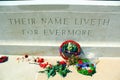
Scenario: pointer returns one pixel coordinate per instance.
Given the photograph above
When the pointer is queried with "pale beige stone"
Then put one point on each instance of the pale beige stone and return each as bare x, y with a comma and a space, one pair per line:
107, 69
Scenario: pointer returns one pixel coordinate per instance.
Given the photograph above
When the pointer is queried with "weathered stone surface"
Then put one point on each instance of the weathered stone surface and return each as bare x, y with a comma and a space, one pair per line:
37, 28
59, 26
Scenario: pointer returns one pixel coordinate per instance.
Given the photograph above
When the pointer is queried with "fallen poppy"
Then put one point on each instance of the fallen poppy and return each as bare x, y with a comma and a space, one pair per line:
3, 59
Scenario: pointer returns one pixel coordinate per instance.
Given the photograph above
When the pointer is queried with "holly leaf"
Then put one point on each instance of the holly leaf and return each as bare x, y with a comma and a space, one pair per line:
51, 72
64, 72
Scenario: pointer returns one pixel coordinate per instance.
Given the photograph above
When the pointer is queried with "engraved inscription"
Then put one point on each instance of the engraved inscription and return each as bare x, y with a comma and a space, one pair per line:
84, 21
73, 25
68, 32
23, 21
30, 32
64, 21
59, 21
58, 32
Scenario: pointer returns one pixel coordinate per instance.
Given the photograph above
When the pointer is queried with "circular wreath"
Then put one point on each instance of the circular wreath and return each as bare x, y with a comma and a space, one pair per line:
69, 48
85, 67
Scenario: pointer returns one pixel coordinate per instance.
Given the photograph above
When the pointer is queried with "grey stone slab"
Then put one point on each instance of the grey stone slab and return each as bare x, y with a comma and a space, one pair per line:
54, 50
59, 26
34, 28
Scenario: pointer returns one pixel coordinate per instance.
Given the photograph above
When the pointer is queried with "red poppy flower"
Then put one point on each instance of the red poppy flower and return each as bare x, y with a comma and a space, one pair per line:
90, 71
40, 60
43, 65
80, 62
3, 59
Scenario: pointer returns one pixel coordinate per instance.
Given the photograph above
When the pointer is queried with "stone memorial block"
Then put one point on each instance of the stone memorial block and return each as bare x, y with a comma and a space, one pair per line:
40, 29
